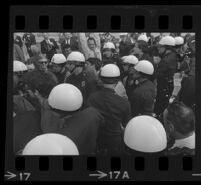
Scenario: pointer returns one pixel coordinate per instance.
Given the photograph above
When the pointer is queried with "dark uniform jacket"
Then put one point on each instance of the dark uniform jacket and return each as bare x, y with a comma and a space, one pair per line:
81, 127
143, 98
26, 127
116, 112
167, 66
80, 82
48, 49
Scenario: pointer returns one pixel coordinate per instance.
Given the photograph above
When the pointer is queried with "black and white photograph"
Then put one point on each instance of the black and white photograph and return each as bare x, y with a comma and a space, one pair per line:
104, 93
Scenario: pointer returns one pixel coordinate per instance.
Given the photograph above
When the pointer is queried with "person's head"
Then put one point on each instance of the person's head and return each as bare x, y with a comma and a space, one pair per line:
67, 35
93, 64
91, 43
140, 48
143, 69
166, 43
178, 119
110, 75
46, 36
129, 62
75, 62
41, 63
145, 134
108, 49
67, 50
58, 61
38, 82
50, 144
65, 98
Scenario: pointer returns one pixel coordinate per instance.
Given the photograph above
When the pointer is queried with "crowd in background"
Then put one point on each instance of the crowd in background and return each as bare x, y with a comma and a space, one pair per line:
105, 94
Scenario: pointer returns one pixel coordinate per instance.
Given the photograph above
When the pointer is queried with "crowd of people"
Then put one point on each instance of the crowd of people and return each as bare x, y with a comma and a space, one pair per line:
94, 93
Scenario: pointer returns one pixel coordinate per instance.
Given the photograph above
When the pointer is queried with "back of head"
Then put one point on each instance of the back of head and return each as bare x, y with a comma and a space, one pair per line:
95, 61
182, 117
39, 80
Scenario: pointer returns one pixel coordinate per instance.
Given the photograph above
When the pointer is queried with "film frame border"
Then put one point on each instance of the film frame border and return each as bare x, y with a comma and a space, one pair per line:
151, 16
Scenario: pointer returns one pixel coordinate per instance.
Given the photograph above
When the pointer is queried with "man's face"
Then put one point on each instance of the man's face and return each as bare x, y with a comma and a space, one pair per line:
89, 67
67, 51
91, 44
43, 65
125, 67
107, 53
46, 36
70, 66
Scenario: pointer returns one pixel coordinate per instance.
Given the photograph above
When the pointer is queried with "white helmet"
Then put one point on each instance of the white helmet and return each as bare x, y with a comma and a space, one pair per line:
167, 40
58, 59
179, 40
76, 56
144, 66
19, 66
110, 70
145, 134
108, 45
130, 59
155, 34
143, 37
50, 144
65, 97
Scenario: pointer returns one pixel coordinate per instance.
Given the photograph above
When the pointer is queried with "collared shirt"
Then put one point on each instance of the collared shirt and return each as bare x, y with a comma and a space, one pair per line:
188, 142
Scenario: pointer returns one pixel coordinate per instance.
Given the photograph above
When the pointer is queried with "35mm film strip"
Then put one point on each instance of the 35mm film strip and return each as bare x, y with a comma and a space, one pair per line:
113, 19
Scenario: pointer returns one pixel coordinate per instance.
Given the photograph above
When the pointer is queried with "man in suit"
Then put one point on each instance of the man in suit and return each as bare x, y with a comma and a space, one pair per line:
69, 42
48, 46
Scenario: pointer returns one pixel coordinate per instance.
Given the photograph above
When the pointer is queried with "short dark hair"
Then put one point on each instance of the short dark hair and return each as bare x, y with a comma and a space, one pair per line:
91, 38
182, 117
95, 61
41, 81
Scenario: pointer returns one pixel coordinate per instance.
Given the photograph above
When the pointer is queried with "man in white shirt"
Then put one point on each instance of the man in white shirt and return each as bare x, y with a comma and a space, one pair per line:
90, 46
179, 122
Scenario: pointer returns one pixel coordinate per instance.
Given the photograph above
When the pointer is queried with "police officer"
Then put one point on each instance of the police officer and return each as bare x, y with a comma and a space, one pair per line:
29, 40
165, 72
64, 116
76, 75
145, 134
143, 96
128, 63
50, 144
109, 54
57, 66
115, 110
